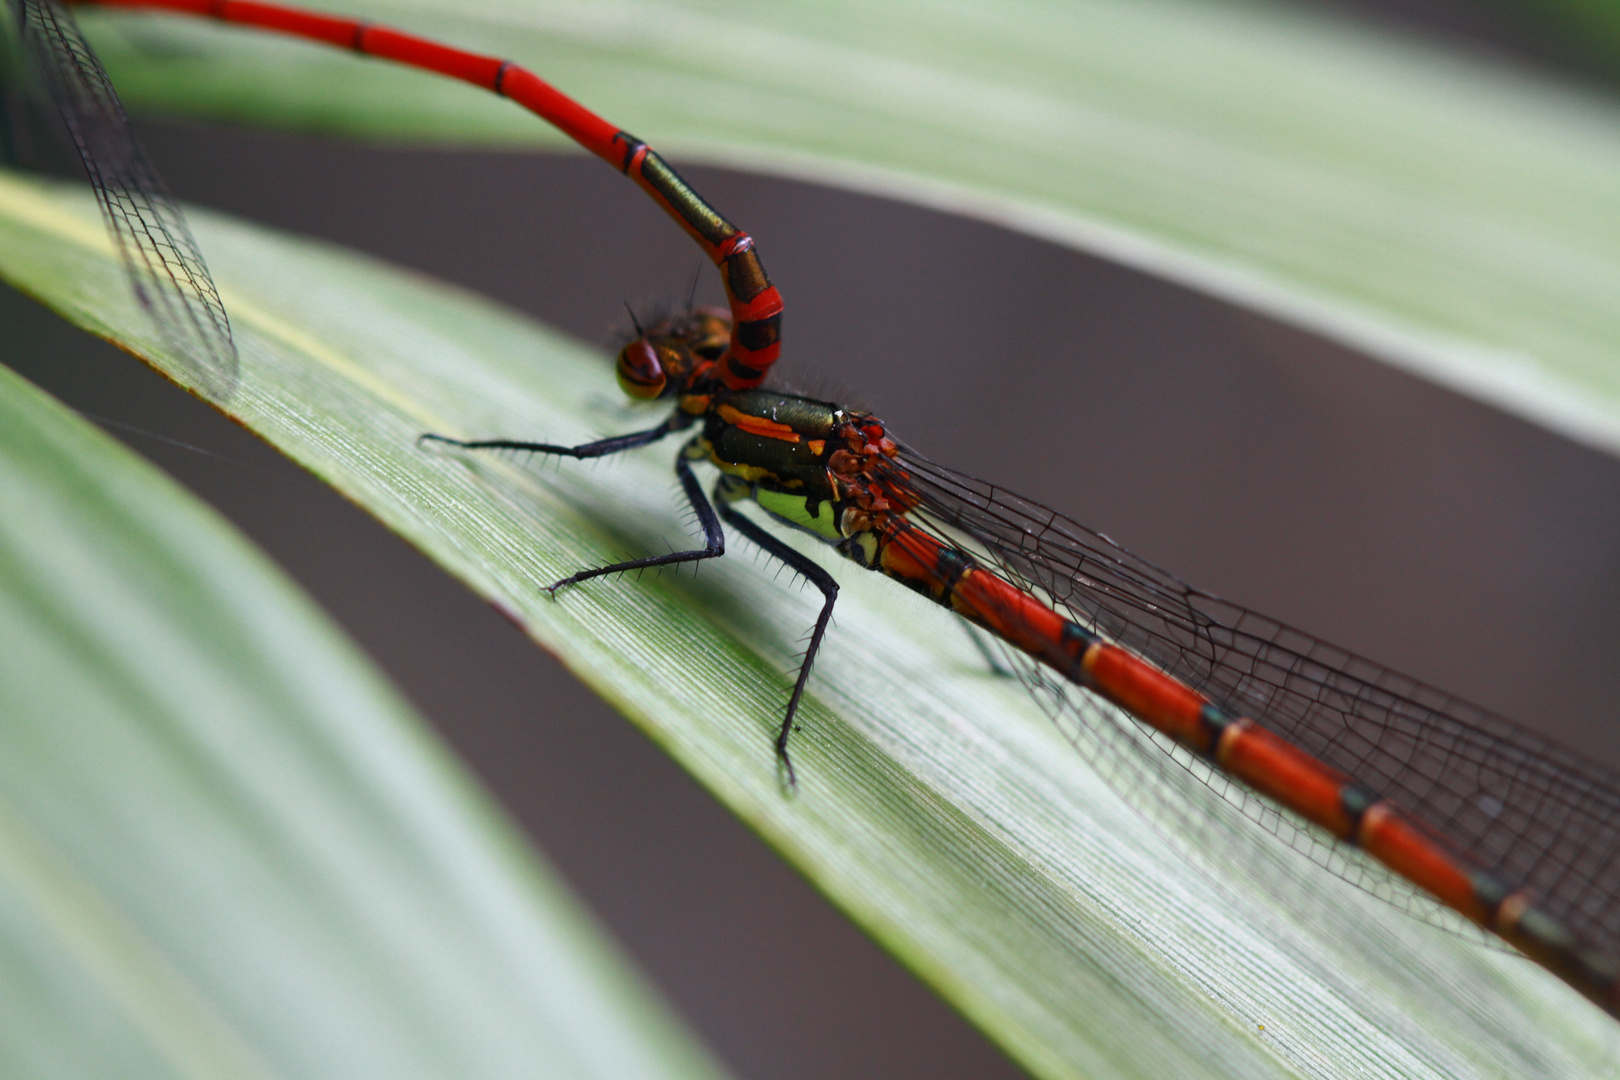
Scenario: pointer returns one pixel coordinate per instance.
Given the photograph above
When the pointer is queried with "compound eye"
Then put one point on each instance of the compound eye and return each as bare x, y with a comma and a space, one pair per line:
641, 372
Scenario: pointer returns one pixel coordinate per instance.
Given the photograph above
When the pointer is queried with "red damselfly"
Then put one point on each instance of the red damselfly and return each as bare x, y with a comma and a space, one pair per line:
1512, 831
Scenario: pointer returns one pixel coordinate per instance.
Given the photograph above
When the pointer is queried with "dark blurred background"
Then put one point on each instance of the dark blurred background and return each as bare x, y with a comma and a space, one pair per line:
1575, 37
1460, 544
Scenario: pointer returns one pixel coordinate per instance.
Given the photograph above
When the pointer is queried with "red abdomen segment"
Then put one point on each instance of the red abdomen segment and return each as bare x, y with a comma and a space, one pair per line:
756, 307
1263, 761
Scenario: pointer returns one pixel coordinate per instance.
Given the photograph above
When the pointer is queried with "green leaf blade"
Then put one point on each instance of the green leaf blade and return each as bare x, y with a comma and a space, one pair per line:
226, 848
938, 805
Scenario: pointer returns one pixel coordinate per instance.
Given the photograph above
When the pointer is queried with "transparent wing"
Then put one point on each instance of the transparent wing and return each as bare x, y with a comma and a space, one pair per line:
1507, 800
165, 267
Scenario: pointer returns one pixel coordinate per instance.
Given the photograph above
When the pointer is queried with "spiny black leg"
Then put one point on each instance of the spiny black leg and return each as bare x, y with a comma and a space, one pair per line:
600, 448
714, 541
812, 572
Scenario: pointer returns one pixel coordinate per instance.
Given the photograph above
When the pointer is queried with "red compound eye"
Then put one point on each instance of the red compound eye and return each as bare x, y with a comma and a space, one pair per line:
641, 372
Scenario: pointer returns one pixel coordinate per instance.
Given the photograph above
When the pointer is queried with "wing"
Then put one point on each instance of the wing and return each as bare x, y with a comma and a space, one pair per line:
165, 267
1509, 801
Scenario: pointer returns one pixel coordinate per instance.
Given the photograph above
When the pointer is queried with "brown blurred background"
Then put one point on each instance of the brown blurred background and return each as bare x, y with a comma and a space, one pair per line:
1462, 545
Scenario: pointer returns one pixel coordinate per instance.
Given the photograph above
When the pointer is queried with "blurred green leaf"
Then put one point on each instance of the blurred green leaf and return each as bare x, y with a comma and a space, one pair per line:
938, 805
1433, 211
227, 849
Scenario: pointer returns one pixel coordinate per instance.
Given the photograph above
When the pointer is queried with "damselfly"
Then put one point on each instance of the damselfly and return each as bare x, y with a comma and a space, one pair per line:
1514, 832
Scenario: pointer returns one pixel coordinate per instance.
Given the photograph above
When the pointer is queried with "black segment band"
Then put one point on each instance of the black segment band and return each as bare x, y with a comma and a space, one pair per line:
632, 147
1490, 891
743, 372
757, 334
1214, 720
1355, 800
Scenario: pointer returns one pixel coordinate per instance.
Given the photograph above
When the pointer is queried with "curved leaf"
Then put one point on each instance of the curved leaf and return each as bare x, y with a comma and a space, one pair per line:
1446, 215
937, 805
226, 848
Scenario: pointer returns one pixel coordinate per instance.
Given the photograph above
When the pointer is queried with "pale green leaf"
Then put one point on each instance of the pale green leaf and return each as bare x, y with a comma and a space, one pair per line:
226, 848
1428, 210
938, 805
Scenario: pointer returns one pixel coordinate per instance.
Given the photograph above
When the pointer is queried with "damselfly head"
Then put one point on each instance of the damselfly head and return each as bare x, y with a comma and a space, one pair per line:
642, 371
668, 357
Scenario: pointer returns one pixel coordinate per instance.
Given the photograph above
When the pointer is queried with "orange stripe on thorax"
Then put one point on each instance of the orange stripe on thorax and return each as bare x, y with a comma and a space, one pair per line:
757, 425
